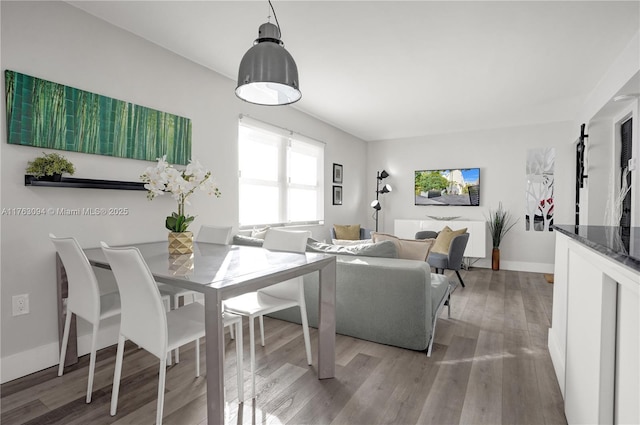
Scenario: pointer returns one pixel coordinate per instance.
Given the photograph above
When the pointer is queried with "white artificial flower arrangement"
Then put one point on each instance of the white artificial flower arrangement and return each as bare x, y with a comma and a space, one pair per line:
181, 184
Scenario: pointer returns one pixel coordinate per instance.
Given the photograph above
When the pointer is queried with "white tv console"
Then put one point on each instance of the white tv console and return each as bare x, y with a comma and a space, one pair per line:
477, 229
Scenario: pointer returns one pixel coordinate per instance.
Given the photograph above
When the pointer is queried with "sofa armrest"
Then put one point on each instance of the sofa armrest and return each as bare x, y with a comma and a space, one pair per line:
384, 300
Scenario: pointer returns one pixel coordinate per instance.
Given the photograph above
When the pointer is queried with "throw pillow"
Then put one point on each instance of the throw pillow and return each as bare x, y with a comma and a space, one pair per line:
347, 231
259, 233
444, 239
385, 249
409, 249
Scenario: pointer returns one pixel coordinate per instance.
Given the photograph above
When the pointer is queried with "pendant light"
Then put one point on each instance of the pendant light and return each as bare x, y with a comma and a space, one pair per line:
268, 75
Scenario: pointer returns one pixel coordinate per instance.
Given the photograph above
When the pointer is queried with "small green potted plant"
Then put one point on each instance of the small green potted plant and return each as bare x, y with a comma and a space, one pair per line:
50, 167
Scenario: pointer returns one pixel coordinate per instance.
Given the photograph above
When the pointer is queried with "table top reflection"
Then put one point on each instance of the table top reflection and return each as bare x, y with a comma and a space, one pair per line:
213, 266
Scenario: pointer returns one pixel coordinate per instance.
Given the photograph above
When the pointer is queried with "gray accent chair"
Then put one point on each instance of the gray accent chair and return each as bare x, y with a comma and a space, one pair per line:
364, 233
450, 261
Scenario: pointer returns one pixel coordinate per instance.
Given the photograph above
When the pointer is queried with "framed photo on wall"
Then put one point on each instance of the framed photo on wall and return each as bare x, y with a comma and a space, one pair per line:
337, 195
337, 174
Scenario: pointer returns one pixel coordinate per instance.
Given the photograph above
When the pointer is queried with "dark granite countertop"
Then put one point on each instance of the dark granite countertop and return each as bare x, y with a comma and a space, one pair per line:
620, 244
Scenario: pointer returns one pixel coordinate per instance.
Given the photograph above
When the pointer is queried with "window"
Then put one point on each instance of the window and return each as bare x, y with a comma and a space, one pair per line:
281, 176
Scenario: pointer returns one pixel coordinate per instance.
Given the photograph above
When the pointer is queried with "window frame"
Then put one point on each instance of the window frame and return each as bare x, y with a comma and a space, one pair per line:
289, 142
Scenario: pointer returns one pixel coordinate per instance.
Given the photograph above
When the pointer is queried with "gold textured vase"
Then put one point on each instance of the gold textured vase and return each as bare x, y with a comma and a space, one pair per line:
180, 243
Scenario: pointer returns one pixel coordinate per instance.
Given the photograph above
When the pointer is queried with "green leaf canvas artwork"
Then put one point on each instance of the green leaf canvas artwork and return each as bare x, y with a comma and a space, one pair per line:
45, 114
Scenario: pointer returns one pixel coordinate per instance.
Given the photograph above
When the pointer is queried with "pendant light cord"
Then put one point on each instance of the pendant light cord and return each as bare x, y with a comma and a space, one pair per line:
276, 18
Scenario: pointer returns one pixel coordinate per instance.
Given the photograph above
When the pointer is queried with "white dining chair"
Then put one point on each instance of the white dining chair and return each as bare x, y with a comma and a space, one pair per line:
209, 234
175, 293
214, 234
274, 298
145, 321
84, 299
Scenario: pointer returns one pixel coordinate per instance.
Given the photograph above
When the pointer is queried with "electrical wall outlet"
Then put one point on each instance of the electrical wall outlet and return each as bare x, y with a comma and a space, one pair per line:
20, 304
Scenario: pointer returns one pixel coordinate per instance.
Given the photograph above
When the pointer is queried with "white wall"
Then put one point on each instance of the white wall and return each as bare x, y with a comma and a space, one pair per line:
501, 156
57, 42
619, 73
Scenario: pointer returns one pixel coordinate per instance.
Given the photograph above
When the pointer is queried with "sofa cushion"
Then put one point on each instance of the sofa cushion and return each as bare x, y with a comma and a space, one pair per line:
384, 249
247, 240
408, 249
347, 231
347, 242
444, 239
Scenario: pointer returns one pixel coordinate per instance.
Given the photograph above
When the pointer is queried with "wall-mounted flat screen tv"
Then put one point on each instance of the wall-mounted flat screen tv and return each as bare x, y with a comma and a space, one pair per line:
454, 186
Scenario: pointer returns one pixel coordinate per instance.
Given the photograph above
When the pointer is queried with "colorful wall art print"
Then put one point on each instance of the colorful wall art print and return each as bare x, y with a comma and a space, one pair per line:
539, 191
44, 114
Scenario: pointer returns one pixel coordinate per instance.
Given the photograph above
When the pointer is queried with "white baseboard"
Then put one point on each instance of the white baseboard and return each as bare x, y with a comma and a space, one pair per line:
21, 364
557, 358
24, 363
520, 266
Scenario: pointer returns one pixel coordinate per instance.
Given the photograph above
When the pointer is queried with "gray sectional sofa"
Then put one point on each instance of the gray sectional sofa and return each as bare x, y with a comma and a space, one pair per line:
385, 300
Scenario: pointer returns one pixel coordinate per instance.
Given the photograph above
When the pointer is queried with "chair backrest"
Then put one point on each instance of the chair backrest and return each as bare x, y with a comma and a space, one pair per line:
426, 234
143, 318
292, 241
84, 292
214, 234
456, 250
286, 240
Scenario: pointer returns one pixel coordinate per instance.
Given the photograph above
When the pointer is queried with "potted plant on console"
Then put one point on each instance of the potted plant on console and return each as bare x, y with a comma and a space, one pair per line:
181, 184
500, 222
50, 167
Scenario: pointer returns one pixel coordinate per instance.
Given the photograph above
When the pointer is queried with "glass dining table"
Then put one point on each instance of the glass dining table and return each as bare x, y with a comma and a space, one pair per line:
224, 271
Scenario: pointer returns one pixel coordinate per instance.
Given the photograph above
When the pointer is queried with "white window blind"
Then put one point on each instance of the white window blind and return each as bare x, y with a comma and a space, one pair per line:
281, 175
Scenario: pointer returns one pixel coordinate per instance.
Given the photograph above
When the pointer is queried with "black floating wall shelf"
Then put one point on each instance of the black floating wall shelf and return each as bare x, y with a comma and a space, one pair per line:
84, 183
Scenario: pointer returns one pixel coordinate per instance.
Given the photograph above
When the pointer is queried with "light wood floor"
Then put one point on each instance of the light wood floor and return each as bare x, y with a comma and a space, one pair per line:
490, 365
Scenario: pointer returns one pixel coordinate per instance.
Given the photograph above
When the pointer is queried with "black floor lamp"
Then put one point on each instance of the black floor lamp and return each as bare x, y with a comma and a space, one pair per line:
385, 189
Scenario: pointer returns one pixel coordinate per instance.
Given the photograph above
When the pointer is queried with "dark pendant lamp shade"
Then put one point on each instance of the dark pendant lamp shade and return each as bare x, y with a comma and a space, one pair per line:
268, 75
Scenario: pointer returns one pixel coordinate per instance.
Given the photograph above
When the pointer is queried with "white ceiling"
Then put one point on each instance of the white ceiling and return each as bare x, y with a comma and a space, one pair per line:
395, 69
